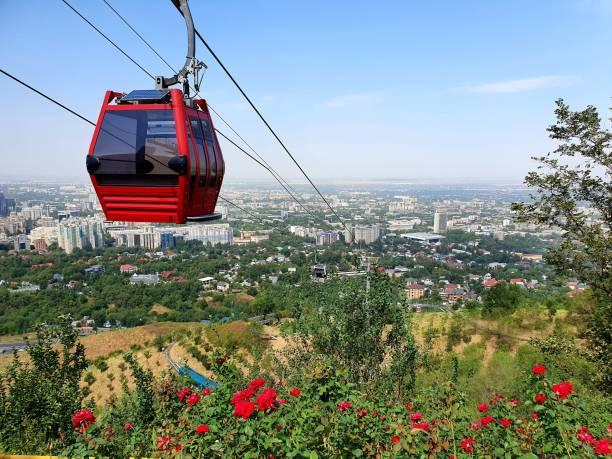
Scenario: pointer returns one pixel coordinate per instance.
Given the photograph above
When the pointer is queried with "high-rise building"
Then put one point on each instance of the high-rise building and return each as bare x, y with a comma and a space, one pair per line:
363, 233
32, 213
326, 237
407, 204
78, 233
151, 237
215, 234
21, 242
48, 234
6, 205
3, 206
167, 240
440, 221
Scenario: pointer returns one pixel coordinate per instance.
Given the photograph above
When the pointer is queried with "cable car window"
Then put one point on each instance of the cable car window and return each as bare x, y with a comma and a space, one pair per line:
208, 139
199, 136
134, 148
220, 158
193, 167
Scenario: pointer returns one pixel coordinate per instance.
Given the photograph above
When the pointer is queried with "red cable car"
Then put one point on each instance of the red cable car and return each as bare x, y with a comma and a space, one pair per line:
154, 155
154, 159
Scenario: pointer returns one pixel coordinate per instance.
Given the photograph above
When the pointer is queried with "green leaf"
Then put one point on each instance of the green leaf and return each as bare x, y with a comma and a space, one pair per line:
357, 452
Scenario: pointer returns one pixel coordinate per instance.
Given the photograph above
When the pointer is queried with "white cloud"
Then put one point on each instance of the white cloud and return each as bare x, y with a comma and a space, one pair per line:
353, 100
522, 84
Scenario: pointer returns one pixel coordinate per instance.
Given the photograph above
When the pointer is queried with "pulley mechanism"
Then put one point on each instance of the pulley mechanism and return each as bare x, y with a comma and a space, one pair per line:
192, 65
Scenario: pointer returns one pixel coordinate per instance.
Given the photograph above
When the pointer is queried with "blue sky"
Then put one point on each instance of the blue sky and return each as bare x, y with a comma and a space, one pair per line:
440, 90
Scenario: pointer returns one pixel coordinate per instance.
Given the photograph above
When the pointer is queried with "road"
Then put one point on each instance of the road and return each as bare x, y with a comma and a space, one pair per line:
7, 348
169, 358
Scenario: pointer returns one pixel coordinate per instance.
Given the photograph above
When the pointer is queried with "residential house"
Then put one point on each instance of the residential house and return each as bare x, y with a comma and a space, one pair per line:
128, 269
144, 279
415, 291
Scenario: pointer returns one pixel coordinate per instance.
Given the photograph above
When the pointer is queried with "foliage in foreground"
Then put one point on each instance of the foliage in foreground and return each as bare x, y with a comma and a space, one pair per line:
38, 399
316, 412
575, 177
334, 419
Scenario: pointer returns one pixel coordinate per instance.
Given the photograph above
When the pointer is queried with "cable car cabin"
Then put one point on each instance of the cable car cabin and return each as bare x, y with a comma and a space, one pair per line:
154, 159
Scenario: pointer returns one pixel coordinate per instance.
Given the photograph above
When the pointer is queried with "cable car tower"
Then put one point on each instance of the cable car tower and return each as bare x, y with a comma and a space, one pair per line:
154, 155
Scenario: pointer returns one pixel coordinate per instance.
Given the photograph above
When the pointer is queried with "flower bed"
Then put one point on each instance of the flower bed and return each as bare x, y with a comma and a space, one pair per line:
275, 421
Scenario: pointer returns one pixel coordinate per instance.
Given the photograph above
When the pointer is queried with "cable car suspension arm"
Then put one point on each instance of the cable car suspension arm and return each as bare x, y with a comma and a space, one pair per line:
192, 65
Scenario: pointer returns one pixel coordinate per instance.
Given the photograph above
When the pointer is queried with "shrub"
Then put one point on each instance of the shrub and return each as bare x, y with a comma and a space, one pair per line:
100, 364
329, 417
38, 398
235, 335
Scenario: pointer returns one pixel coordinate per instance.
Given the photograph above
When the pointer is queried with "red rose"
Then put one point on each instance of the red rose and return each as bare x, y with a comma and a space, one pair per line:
483, 407
535, 416
505, 423
563, 389
408, 406
244, 409
362, 412
183, 394
343, 406
128, 426
421, 426
178, 447
486, 421
206, 391
416, 416
242, 396
475, 425
202, 429
193, 399
257, 383
295, 392
395, 439
540, 398
538, 370
514, 402
282, 401
83, 419
602, 446
163, 443
584, 435
266, 399
375, 413
467, 445
279, 428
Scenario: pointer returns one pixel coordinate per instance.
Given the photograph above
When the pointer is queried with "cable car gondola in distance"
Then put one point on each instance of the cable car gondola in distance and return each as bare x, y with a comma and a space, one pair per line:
154, 155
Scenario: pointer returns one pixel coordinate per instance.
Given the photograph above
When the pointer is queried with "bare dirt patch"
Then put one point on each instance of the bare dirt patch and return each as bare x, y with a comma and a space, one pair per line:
160, 309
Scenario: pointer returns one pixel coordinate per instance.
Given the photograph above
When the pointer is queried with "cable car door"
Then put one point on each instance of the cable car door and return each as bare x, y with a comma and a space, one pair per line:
199, 188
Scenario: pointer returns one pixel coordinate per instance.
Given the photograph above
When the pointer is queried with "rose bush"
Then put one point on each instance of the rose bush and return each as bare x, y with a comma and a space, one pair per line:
267, 418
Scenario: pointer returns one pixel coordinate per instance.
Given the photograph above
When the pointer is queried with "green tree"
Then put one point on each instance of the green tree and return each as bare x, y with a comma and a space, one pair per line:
361, 328
38, 398
502, 297
566, 190
570, 182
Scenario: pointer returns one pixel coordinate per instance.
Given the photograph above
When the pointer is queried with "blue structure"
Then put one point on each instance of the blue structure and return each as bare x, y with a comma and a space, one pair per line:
198, 379
167, 240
